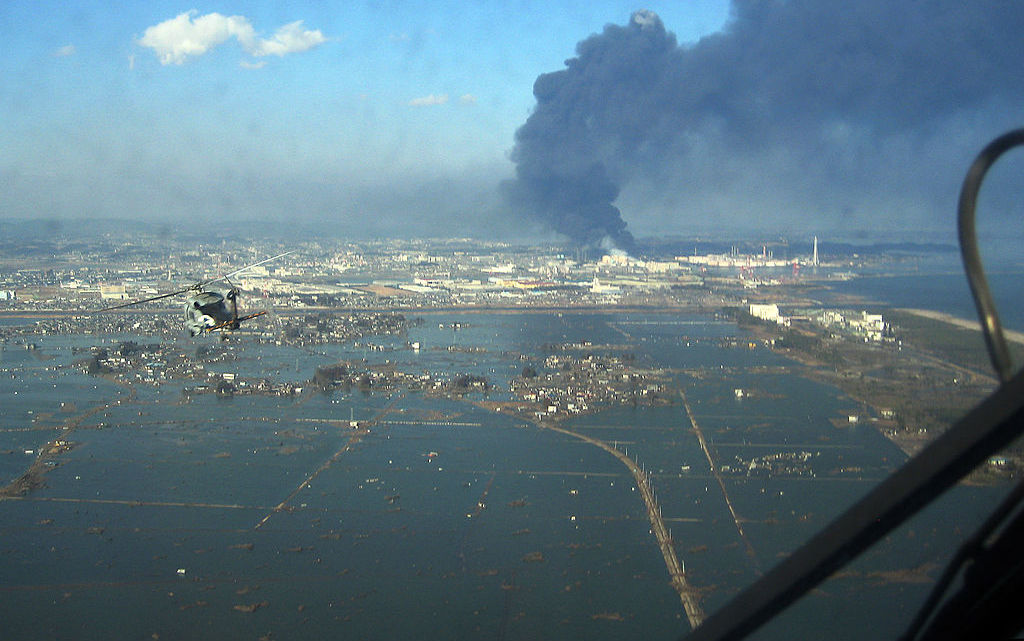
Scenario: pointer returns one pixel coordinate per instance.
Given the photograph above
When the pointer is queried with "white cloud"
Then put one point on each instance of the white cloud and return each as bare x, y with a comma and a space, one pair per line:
176, 39
65, 51
291, 38
467, 99
427, 101
259, 64
646, 18
188, 35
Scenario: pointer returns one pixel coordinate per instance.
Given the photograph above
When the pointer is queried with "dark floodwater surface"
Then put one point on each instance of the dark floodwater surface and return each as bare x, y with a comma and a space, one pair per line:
163, 521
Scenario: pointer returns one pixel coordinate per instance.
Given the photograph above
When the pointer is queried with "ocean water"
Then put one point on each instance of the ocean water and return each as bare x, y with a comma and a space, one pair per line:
255, 517
943, 290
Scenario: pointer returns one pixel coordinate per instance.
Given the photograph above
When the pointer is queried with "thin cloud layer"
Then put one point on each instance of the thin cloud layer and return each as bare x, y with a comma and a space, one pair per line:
188, 36
427, 101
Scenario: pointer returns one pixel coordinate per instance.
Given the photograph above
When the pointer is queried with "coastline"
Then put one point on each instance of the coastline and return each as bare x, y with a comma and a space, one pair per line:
963, 323
911, 383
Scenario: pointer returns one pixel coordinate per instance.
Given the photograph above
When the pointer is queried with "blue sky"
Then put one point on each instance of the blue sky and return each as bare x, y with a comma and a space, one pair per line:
397, 117
387, 96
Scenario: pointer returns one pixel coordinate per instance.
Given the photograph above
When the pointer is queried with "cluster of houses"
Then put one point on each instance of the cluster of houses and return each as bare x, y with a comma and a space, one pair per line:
576, 384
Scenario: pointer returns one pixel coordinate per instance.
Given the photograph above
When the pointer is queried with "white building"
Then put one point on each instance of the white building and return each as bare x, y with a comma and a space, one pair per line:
768, 312
113, 292
871, 325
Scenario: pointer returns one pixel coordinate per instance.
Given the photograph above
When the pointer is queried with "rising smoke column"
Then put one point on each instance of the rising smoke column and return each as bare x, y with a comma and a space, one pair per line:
797, 108
562, 152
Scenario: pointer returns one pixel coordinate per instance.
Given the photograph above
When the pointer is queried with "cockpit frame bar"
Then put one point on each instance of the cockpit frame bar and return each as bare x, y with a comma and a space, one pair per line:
986, 429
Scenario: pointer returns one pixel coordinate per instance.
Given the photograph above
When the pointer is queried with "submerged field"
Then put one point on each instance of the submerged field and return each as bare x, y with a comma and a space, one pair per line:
271, 517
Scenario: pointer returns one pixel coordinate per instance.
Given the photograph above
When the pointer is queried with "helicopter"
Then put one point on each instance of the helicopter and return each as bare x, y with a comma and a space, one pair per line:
209, 309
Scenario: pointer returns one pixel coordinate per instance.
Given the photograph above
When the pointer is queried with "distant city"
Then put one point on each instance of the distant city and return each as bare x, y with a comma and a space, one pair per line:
538, 397
87, 276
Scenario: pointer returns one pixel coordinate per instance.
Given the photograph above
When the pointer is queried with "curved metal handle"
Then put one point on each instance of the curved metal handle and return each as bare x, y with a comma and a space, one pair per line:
990, 325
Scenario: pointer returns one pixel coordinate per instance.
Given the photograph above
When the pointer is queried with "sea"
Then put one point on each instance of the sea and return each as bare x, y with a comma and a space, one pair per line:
934, 282
254, 517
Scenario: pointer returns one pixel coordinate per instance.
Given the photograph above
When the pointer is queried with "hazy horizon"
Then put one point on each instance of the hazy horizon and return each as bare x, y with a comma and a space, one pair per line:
714, 117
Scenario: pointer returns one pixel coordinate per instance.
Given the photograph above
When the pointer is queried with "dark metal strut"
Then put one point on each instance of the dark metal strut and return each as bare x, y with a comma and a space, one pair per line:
985, 430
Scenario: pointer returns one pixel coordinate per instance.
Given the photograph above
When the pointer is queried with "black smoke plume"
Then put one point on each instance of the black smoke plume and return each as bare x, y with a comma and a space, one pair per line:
797, 108
561, 153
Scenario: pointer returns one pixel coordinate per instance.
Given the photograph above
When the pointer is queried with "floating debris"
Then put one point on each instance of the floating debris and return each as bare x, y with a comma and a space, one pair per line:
196, 604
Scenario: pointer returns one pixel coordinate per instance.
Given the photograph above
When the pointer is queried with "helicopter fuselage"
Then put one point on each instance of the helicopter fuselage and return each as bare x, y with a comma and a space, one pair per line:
206, 311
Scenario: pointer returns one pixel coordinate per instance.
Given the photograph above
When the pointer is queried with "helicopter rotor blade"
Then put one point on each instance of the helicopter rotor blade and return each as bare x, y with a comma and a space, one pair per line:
146, 300
197, 286
265, 260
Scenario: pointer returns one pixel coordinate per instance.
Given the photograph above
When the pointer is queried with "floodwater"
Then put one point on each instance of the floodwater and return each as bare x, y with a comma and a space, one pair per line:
259, 517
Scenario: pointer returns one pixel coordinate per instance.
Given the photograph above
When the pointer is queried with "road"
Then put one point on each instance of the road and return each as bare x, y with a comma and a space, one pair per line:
689, 595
